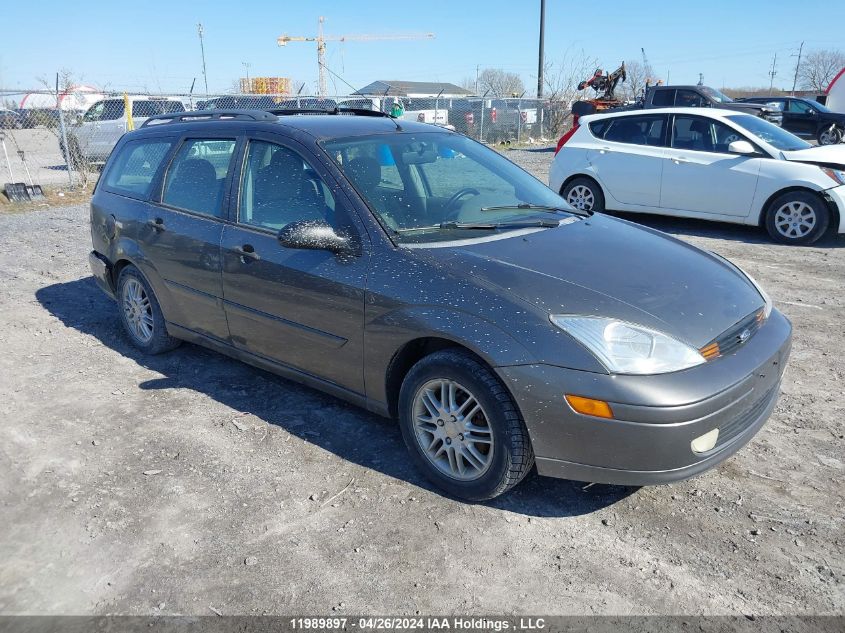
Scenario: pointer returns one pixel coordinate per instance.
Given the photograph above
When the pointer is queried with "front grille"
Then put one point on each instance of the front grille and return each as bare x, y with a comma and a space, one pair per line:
734, 337
735, 427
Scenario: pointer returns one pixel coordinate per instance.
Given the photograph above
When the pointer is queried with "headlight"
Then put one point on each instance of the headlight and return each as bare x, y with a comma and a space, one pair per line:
626, 348
837, 175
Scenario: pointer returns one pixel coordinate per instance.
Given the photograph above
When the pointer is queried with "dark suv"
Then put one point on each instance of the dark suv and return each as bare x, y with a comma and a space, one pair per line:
807, 118
419, 274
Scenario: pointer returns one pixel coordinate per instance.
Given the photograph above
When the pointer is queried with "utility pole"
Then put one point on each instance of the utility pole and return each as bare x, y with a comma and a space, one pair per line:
797, 67
700, 79
540, 63
246, 65
202, 49
772, 73
477, 67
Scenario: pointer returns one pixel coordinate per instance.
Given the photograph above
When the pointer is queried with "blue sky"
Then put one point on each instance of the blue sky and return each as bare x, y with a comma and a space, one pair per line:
154, 46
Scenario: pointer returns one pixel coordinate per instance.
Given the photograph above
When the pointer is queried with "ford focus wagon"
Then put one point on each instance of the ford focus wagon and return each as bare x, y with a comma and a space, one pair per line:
416, 273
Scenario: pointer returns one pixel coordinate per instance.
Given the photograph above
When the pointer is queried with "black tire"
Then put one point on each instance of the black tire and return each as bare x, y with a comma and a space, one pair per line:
594, 204
827, 136
512, 455
778, 210
160, 341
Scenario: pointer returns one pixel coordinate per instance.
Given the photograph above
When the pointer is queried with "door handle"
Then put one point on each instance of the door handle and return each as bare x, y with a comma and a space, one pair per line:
605, 150
678, 160
247, 253
157, 224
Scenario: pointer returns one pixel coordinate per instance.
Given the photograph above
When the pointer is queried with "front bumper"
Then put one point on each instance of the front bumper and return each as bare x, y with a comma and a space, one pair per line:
837, 196
657, 417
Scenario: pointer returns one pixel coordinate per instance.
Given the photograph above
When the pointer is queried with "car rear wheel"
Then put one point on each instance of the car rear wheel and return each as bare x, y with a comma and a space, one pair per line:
141, 315
584, 194
462, 427
797, 217
830, 136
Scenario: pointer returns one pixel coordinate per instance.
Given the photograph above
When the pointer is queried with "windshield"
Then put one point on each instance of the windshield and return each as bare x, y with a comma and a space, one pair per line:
716, 95
438, 186
772, 134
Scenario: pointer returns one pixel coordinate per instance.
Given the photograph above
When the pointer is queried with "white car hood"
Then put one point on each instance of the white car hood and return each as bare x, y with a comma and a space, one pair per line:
826, 154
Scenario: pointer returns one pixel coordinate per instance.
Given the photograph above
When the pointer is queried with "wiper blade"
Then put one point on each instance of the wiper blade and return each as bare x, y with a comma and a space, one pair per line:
525, 206
492, 226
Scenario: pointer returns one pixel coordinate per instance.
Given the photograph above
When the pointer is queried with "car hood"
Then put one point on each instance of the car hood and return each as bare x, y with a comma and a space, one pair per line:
602, 266
831, 155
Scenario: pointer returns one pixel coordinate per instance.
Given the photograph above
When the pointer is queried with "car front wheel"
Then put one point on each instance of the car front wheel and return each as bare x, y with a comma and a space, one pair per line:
797, 217
583, 194
141, 315
830, 136
462, 427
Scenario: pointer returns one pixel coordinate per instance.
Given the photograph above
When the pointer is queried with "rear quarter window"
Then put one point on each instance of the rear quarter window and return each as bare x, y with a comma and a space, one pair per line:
135, 166
598, 128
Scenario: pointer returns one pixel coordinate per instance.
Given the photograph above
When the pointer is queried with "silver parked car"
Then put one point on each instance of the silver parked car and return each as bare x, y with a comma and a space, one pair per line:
105, 122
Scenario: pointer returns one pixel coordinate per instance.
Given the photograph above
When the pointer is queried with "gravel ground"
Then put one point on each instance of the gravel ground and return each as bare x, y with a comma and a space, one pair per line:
190, 483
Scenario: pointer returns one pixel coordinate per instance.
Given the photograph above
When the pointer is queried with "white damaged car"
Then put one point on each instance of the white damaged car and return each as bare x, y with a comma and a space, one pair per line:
703, 163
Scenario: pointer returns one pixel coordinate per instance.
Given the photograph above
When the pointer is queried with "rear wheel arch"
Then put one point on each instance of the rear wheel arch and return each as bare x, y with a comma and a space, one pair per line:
575, 177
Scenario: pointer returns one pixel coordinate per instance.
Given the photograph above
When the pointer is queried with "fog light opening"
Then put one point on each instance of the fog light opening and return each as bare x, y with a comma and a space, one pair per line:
589, 406
706, 442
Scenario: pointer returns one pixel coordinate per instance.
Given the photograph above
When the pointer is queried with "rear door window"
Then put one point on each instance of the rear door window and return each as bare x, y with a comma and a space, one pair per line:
663, 98
134, 168
148, 108
197, 176
637, 130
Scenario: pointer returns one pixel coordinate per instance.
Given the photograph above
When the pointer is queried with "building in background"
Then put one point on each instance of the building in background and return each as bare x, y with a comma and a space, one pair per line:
413, 89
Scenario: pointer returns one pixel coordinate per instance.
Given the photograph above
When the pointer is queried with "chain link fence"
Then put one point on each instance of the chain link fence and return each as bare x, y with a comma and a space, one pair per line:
62, 139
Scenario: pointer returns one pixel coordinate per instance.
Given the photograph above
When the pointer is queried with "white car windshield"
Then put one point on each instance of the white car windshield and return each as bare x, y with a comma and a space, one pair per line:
775, 136
440, 186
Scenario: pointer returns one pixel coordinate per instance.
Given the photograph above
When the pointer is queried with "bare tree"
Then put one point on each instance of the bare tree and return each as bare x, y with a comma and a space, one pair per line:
819, 67
561, 79
635, 80
500, 83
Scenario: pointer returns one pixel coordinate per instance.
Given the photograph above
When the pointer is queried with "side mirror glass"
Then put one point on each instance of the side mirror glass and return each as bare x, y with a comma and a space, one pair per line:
315, 235
741, 147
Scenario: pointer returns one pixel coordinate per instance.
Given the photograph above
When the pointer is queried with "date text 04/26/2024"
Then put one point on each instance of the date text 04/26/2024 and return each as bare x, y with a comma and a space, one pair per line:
438, 623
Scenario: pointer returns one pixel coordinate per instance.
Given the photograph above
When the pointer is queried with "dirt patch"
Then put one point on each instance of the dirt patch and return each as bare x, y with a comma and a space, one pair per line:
189, 482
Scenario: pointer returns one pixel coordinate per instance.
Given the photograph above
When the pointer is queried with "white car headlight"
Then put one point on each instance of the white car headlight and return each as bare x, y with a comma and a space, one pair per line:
837, 175
626, 348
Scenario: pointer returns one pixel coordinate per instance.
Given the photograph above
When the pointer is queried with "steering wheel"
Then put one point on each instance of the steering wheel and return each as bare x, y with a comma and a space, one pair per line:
452, 202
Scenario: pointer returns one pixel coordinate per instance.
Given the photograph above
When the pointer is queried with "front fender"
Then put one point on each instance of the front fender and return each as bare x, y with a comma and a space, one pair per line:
388, 333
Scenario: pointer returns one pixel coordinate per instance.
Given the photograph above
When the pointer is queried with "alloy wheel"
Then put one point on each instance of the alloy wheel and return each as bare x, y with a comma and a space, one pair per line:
452, 429
795, 219
137, 310
828, 137
581, 197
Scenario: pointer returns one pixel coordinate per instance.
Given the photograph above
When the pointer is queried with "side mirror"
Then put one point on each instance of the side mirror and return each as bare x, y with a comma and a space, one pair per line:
315, 235
741, 147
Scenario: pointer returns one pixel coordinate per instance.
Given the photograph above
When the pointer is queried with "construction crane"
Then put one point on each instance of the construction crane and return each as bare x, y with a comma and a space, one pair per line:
321, 46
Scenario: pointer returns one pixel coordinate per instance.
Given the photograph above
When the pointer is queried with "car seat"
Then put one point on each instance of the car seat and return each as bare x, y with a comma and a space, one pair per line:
283, 194
194, 186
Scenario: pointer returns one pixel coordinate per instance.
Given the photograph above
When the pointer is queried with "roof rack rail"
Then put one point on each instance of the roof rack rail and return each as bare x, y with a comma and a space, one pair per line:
210, 115
335, 110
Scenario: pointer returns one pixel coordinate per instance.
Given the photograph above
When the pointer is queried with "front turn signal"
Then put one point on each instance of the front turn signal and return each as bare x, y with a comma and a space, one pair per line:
589, 406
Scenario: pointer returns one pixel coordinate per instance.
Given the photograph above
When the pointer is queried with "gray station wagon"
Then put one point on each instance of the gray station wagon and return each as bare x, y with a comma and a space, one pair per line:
419, 274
